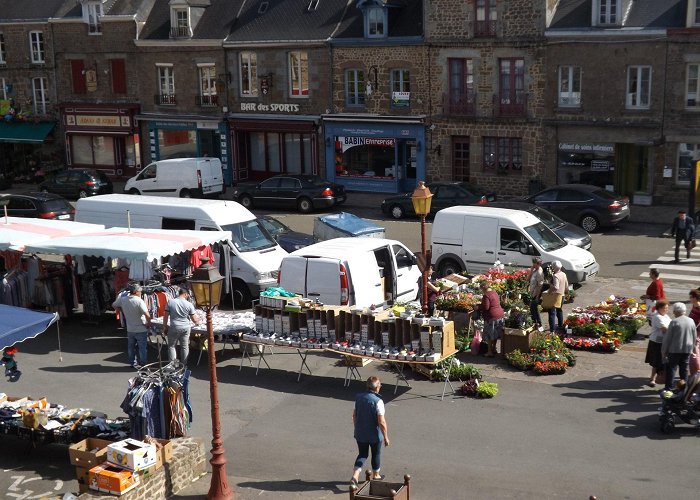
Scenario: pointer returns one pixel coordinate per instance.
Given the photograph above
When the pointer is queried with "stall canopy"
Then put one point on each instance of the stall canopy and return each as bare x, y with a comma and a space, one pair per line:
18, 324
17, 232
134, 244
25, 132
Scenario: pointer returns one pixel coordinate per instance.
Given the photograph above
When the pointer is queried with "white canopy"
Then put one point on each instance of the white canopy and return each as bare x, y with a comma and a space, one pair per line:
118, 242
17, 232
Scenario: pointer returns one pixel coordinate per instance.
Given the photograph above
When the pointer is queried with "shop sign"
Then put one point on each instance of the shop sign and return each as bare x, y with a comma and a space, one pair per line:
587, 147
174, 125
600, 165
96, 121
349, 142
282, 108
91, 80
400, 99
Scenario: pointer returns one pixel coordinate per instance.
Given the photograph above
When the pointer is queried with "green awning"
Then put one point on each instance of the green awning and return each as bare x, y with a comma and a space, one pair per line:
25, 132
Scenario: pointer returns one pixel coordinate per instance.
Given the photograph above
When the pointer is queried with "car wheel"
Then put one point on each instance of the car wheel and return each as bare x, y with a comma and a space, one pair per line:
246, 201
185, 194
134, 191
304, 205
397, 212
242, 299
449, 266
589, 223
82, 194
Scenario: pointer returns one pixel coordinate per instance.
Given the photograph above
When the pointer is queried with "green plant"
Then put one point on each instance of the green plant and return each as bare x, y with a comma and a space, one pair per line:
458, 371
518, 317
520, 360
463, 340
487, 390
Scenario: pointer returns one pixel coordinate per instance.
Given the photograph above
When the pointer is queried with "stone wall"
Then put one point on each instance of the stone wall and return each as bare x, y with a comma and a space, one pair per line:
187, 465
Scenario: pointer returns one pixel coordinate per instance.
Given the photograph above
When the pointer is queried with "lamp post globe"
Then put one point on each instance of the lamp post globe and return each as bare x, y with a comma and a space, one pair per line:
421, 199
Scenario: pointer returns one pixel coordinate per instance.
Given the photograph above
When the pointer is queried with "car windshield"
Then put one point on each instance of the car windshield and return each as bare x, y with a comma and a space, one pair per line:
549, 219
57, 205
273, 226
544, 237
249, 236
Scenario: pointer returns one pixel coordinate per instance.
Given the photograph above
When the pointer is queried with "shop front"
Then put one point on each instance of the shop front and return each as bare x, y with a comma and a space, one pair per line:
172, 137
269, 144
103, 137
375, 154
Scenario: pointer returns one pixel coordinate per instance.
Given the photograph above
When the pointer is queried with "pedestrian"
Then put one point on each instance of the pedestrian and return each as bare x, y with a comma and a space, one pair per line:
694, 314
433, 290
370, 429
683, 229
677, 344
135, 313
10, 363
558, 285
659, 326
655, 291
535, 278
176, 325
492, 314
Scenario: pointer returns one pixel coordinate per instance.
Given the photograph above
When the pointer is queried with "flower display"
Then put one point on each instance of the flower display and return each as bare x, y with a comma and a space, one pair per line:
548, 356
550, 367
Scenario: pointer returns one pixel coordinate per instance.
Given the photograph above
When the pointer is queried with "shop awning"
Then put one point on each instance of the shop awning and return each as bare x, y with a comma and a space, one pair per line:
16, 232
18, 324
25, 132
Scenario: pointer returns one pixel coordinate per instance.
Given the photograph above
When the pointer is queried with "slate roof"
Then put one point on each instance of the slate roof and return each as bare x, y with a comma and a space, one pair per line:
214, 24
20, 10
576, 14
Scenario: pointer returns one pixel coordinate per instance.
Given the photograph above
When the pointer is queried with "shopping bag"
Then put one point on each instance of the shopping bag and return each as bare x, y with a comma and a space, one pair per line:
690, 245
476, 341
551, 301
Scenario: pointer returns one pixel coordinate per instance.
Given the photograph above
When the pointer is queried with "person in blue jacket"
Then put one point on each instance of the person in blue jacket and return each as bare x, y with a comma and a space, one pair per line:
370, 429
683, 229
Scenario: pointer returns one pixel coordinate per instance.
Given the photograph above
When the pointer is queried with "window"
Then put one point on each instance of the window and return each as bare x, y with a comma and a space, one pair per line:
249, 74
118, 71
512, 98
400, 88
180, 23
354, 87
3, 89
460, 100
77, 71
36, 46
696, 13
570, 86
638, 87
512, 239
460, 159
375, 22
503, 154
298, 73
692, 94
207, 85
608, 12
40, 91
92, 150
166, 85
93, 12
486, 17
688, 154
2, 49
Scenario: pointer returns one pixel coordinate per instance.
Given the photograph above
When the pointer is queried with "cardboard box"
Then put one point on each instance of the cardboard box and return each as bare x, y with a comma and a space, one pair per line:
132, 454
165, 452
110, 478
88, 452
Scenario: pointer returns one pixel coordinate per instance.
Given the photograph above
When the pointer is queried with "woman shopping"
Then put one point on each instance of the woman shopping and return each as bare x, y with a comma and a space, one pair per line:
659, 325
535, 278
655, 291
492, 313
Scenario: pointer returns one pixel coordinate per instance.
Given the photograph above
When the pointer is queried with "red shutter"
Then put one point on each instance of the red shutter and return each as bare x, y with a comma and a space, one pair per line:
77, 67
118, 76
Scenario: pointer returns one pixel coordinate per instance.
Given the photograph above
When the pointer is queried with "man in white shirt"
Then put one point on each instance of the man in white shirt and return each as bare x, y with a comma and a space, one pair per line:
138, 321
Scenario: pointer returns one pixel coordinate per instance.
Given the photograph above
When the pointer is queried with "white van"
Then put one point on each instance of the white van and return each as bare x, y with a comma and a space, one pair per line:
256, 255
472, 238
181, 177
352, 271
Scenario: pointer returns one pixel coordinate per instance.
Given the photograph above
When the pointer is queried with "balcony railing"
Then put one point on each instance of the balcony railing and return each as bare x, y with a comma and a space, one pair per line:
165, 99
180, 32
206, 101
485, 29
95, 27
513, 104
459, 103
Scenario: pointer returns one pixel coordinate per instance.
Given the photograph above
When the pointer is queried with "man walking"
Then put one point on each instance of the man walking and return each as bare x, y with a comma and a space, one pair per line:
677, 344
138, 321
370, 429
683, 229
179, 311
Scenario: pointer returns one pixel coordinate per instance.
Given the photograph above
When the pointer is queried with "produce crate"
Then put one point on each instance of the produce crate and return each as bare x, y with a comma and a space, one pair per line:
516, 338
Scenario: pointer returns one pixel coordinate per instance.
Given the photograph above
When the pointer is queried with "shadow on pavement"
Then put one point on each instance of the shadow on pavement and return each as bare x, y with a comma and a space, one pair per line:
648, 427
293, 486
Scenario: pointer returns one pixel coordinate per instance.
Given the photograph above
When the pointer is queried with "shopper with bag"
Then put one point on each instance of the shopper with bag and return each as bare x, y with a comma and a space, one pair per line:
535, 279
492, 313
655, 291
659, 325
677, 344
683, 229
553, 298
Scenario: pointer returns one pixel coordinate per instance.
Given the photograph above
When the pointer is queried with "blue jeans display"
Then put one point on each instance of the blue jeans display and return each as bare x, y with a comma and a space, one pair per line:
363, 453
680, 361
137, 339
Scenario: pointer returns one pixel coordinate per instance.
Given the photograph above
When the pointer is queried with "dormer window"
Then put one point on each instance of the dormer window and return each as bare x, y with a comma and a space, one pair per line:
693, 18
92, 13
375, 18
180, 23
608, 11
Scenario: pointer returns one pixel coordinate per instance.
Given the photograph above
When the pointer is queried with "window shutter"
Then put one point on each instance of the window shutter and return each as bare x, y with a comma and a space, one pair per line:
77, 66
118, 76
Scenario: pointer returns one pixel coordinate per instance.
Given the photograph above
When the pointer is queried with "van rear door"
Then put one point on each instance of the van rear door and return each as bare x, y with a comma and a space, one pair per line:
293, 274
323, 280
366, 282
479, 242
210, 174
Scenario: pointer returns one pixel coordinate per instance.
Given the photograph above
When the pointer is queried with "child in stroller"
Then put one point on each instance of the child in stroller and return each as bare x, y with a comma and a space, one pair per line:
683, 403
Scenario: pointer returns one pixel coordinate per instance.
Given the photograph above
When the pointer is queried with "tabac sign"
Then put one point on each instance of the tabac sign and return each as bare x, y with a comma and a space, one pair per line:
90, 80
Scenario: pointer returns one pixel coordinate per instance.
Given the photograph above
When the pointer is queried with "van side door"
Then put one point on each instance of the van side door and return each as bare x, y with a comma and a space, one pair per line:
511, 241
147, 181
407, 273
479, 243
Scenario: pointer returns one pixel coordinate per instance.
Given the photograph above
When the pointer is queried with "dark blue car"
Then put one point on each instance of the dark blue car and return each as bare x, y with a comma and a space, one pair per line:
287, 239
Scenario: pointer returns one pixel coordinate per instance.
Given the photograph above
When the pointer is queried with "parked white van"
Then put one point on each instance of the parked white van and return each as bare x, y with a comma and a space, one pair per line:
352, 271
181, 177
256, 255
472, 238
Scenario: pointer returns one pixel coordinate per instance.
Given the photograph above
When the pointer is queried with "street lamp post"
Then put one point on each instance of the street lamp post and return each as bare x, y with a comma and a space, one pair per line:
421, 199
206, 287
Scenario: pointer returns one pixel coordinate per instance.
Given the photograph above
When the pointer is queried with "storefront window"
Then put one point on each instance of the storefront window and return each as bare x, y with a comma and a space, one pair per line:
365, 156
273, 152
92, 150
177, 143
587, 164
687, 154
103, 150
292, 156
276, 152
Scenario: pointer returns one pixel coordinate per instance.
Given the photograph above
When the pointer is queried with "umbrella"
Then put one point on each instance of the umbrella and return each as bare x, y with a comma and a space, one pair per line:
18, 324
134, 244
16, 232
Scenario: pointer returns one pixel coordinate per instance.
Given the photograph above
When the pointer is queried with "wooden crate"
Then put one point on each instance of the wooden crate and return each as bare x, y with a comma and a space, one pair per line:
515, 338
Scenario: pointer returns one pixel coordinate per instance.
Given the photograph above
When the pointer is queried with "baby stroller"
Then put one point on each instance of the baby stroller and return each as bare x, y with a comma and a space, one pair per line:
683, 403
